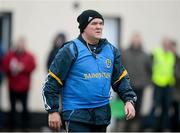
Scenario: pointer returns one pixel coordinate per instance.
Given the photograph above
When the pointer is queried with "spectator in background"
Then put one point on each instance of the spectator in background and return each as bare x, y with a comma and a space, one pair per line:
176, 89
163, 61
18, 65
137, 61
57, 43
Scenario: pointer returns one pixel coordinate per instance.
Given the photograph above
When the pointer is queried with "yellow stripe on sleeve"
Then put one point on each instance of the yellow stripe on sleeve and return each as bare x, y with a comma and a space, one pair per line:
121, 76
54, 76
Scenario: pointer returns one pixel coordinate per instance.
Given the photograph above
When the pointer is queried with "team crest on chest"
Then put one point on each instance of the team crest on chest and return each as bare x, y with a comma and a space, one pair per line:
108, 63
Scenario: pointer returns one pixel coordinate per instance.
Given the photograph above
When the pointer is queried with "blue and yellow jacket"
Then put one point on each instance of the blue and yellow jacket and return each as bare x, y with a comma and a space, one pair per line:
84, 79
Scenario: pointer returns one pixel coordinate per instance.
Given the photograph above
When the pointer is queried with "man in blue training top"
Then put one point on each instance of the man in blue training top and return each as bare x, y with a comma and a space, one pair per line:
82, 73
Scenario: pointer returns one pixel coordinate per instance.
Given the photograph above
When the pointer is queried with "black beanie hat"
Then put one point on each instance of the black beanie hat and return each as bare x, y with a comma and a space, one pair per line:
86, 17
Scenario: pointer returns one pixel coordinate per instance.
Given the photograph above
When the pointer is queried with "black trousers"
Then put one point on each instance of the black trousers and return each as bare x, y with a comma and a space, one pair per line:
72, 126
22, 98
176, 116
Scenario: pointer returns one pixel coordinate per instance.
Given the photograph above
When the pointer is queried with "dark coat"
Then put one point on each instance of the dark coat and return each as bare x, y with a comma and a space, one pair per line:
136, 61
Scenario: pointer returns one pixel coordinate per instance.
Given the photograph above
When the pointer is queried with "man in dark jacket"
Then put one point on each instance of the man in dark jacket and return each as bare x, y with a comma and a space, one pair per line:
137, 63
83, 72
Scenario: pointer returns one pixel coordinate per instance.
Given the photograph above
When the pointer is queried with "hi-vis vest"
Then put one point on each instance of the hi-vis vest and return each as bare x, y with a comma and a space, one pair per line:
163, 68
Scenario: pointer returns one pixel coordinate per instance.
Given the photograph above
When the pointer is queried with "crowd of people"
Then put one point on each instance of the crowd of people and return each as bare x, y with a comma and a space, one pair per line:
161, 69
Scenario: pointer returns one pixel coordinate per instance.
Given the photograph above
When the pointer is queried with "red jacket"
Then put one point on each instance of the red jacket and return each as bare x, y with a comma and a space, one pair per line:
19, 82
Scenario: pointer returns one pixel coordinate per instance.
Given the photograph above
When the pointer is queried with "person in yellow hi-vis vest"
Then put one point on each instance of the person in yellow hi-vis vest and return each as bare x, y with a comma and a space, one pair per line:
163, 61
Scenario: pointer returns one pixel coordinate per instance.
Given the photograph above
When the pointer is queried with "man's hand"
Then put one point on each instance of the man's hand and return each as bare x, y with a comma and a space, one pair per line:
129, 110
54, 121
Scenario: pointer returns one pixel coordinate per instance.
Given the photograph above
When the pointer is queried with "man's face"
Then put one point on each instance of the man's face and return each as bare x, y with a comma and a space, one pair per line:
94, 28
166, 44
136, 41
20, 45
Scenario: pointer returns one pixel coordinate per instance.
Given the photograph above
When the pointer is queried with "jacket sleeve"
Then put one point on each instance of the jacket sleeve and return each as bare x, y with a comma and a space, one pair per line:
120, 80
57, 75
